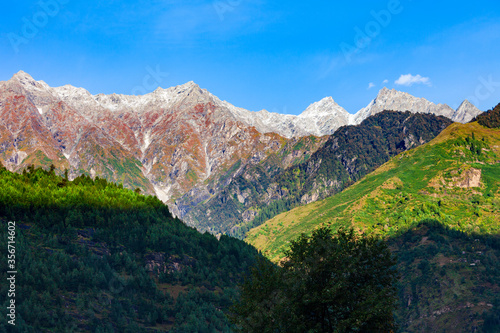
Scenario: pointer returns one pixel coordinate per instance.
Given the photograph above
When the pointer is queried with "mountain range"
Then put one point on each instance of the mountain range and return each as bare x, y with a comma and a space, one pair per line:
182, 144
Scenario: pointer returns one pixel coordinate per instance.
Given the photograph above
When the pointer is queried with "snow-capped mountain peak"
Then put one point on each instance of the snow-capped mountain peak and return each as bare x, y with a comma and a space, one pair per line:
394, 100
322, 118
324, 107
68, 91
23, 76
28, 83
466, 111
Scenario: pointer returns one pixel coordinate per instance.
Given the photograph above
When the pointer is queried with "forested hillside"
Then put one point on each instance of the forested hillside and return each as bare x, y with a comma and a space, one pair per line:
449, 280
92, 256
490, 118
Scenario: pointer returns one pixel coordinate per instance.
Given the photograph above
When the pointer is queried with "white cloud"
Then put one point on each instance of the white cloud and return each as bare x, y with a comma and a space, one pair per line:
385, 81
371, 85
409, 80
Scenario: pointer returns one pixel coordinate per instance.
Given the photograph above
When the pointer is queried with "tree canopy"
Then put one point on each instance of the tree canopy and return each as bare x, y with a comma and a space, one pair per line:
490, 118
328, 283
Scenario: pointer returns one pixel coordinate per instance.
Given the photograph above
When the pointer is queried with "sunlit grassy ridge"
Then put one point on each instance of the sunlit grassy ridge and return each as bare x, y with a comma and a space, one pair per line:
453, 179
40, 189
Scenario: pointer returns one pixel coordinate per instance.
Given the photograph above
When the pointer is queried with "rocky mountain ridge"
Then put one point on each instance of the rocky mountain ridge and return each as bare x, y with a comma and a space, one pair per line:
320, 118
326, 116
172, 142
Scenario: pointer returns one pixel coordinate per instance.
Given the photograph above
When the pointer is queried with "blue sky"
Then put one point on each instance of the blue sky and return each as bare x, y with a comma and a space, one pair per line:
277, 55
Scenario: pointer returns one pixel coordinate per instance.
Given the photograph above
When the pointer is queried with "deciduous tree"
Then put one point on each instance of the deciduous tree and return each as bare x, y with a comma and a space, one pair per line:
328, 283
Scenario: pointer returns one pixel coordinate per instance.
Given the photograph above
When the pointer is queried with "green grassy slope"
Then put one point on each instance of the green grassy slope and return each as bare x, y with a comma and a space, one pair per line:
454, 178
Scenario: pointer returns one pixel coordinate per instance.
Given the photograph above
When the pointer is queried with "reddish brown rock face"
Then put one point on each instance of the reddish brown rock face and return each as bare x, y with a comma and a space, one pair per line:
180, 142
37, 127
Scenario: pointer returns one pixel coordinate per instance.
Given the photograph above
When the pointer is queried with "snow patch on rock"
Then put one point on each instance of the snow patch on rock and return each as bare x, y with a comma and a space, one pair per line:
162, 192
146, 142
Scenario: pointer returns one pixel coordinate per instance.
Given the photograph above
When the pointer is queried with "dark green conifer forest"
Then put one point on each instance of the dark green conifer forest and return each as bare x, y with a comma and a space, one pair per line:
95, 257
490, 118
